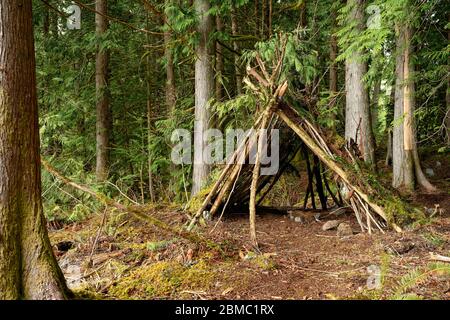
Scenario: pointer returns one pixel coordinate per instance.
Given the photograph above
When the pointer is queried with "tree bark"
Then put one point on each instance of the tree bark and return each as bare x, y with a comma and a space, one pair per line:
358, 126
204, 89
101, 84
28, 268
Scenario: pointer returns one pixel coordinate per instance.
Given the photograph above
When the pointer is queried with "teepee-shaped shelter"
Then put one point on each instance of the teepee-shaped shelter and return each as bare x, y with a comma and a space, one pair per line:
240, 184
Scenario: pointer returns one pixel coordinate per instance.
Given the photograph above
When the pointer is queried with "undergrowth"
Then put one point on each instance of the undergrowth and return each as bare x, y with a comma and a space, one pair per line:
403, 288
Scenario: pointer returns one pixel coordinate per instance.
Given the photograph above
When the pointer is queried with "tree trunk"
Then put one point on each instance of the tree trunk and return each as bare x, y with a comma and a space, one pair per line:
303, 15
447, 96
358, 126
409, 108
403, 175
375, 103
101, 84
151, 189
263, 19
406, 163
333, 65
270, 22
235, 32
204, 89
255, 14
171, 92
219, 62
28, 268
46, 20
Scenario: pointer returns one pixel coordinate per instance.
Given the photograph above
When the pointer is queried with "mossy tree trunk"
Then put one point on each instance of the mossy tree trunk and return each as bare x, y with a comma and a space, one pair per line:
28, 268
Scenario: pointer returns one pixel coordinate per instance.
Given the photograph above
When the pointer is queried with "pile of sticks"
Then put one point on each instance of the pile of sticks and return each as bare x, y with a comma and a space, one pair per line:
237, 176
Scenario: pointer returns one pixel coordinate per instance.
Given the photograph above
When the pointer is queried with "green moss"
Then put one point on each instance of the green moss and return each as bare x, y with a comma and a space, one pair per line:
159, 245
162, 280
196, 202
263, 261
86, 294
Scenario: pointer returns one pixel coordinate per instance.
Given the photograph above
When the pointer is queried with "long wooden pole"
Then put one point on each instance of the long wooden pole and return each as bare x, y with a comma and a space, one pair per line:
255, 176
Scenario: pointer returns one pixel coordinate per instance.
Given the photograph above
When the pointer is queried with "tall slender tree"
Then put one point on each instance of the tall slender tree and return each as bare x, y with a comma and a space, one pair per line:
204, 91
447, 96
101, 83
358, 127
171, 91
406, 163
234, 33
28, 269
219, 61
333, 66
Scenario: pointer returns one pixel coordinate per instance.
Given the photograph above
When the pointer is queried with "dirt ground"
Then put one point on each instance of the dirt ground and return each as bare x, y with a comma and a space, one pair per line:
134, 260
299, 261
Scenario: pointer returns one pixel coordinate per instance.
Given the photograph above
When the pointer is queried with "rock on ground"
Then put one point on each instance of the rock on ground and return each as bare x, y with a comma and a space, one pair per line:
330, 225
344, 230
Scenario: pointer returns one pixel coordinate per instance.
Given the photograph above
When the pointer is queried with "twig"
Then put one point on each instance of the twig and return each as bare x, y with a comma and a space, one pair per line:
123, 194
94, 245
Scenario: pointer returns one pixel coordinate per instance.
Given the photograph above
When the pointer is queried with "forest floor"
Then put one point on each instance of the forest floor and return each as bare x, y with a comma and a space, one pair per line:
134, 260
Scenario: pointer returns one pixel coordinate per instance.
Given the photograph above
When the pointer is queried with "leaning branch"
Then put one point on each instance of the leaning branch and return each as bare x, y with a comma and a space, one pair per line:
138, 213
